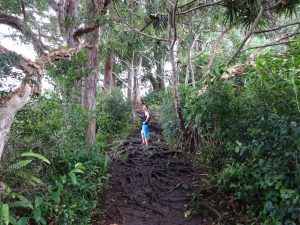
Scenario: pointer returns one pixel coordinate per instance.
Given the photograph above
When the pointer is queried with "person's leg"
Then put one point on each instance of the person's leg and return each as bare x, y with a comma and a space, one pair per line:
146, 134
143, 138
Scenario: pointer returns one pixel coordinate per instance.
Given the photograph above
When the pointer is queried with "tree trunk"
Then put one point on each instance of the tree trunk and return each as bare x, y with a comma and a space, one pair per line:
136, 84
160, 74
108, 78
176, 94
129, 84
153, 81
9, 109
172, 53
90, 82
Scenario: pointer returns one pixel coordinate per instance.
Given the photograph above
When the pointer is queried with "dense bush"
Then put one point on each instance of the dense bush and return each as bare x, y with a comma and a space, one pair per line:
154, 98
66, 190
167, 113
113, 113
247, 130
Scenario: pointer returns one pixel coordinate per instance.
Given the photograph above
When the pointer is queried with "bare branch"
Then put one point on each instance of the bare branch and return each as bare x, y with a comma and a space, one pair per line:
26, 65
137, 30
275, 5
83, 31
268, 45
187, 4
17, 24
277, 28
260, 14
213, 52
200, 6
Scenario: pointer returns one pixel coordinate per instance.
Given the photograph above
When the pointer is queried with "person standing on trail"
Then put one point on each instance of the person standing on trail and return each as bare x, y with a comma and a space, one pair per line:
145, 126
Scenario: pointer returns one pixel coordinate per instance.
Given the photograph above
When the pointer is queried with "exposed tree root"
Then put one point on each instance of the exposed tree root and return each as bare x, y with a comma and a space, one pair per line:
151, 187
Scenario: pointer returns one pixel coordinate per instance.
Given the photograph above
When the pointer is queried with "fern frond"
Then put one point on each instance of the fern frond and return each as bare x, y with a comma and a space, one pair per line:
35, 155
21, 204
30, 178
19, 165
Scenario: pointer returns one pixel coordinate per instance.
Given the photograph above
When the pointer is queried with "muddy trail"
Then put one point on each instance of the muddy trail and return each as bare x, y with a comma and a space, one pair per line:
153, 186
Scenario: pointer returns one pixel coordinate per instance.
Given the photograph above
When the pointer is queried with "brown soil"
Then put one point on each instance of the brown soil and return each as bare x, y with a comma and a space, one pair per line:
153, 186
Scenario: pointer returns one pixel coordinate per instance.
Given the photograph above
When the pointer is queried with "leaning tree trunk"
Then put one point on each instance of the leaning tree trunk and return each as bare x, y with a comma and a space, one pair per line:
108, 78
90, 82
9, 109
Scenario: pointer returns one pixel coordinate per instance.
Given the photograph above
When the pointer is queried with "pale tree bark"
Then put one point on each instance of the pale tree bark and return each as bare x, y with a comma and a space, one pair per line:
172, 44
161, 74
159, 61
10, 108
129, 84
90, 83
66, 12
12, 103
108, 82
190, 69
136, 80
130, 80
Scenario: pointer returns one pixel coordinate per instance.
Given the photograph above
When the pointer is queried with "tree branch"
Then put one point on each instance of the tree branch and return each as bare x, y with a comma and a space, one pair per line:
186, 4
28, 66
268, 45
78, 33
277, 28
137, 30
17, 24
275, 5
213, 52
260, 14
200, 6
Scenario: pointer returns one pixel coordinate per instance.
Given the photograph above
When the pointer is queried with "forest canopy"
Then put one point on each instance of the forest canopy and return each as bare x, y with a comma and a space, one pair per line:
221, 75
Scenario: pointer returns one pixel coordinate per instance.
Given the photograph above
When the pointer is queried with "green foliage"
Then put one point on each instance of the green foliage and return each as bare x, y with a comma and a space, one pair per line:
245, 12
167, 115
154, 98
73, 180
66, 72
246, 130
10, 200
113, 113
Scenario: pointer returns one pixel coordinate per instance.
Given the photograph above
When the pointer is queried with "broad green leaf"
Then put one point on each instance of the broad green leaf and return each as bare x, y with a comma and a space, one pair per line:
5, 213
37, 202
37, 213
73, 177
22, 221
79, 166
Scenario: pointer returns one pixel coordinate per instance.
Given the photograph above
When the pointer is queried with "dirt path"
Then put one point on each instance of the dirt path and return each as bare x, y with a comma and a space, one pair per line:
150, 187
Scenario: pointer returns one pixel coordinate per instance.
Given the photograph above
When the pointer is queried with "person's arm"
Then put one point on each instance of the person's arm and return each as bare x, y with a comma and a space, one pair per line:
147, 117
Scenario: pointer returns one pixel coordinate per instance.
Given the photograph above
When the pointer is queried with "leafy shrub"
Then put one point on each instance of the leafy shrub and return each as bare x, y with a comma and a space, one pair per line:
113, 113
167, 115
73, 182
247, 130
154, 98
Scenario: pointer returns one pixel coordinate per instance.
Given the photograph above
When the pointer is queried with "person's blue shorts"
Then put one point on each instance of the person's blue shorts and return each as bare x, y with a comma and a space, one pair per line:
145, 130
